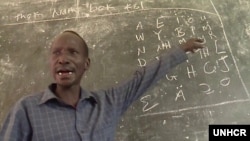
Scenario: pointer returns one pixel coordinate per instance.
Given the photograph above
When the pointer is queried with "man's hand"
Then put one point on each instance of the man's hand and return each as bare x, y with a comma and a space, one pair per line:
192, 45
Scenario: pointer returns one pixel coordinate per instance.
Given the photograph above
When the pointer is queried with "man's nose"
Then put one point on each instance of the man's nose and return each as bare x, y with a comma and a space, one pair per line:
63, 59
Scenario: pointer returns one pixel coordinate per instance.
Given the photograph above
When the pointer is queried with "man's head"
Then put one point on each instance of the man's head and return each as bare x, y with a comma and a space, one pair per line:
68, 58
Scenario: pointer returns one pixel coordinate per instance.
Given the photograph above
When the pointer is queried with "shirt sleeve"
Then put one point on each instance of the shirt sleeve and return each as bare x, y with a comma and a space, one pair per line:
16, 125
145, 77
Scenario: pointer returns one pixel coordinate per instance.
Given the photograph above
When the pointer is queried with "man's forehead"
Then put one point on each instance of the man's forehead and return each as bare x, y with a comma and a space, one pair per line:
66, 37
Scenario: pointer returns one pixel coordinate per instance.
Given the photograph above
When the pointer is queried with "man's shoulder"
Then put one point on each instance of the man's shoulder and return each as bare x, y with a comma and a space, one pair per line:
30, 99
26, 103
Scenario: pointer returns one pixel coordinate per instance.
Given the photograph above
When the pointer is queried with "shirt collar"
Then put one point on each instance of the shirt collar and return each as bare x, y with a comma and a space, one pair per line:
49, 95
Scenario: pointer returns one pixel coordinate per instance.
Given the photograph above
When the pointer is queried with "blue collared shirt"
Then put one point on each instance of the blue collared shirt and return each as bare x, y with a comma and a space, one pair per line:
44, 117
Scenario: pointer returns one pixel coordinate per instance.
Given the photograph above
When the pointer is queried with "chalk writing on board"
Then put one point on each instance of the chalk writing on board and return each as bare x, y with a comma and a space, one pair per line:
70, 11
29, 17
213, 33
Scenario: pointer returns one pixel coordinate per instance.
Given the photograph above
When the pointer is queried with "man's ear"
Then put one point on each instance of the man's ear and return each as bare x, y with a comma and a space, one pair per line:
86, 64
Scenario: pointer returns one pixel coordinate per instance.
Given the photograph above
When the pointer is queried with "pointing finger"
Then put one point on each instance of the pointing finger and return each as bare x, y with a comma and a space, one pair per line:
199, 40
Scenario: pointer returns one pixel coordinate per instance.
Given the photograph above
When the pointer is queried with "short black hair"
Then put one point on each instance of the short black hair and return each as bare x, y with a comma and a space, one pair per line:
85, 46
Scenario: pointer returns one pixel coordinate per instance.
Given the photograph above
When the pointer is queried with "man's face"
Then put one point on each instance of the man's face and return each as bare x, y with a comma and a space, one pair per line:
68, 61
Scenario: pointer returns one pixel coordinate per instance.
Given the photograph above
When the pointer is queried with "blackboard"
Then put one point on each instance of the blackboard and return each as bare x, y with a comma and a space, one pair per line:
211, 87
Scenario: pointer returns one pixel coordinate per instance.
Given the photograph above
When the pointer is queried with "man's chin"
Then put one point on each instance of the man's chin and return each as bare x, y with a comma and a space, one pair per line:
64, 84
67, 82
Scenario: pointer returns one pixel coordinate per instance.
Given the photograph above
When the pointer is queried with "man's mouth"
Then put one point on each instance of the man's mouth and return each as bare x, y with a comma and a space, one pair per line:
64, 72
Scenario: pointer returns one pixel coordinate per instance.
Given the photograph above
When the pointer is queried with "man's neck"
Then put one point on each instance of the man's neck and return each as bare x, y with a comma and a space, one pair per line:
69, 95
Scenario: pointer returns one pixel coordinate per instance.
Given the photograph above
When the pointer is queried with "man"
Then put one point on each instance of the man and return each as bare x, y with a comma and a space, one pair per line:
67, 112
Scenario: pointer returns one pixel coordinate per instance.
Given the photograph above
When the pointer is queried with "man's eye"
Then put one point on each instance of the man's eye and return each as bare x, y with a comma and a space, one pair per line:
56, 52
74, 52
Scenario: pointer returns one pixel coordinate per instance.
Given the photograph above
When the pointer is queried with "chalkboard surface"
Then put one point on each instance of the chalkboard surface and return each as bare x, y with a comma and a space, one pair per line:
211, 87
